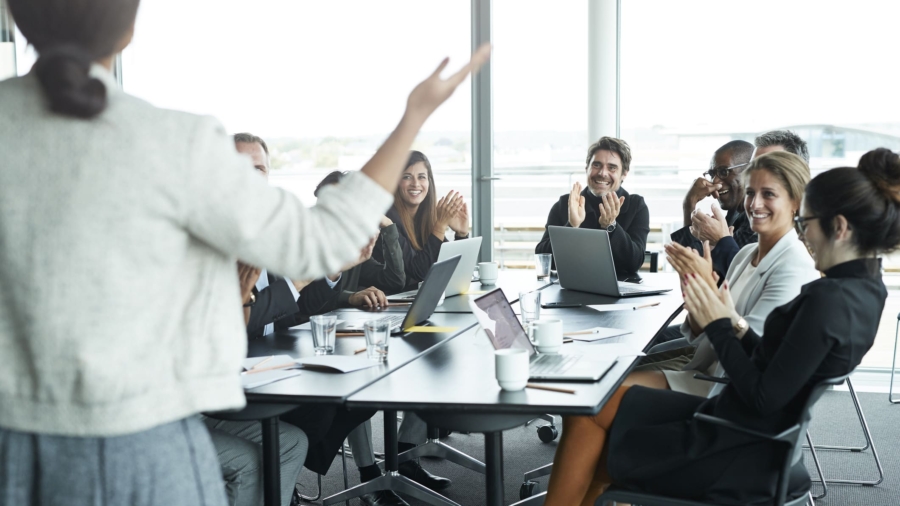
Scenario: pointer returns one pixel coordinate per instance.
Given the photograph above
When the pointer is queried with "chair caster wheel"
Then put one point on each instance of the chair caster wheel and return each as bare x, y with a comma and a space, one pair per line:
547, 433
528, 489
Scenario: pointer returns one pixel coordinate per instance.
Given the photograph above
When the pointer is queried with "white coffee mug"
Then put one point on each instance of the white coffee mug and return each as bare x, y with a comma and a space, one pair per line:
488, 272
548, 335
511, 368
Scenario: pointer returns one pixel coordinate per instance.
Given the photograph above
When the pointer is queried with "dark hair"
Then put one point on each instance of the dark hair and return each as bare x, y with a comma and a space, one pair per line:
250, 139
867, 196
741, 151
791, 142
332, 178
69, 35
418, 227
617, 146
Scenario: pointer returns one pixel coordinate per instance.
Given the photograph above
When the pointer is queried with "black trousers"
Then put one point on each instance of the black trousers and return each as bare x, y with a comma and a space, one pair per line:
326, 427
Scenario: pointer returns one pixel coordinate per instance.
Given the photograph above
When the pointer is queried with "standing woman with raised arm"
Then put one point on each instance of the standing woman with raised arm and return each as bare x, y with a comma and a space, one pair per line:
423, 219
120, 226
649, 440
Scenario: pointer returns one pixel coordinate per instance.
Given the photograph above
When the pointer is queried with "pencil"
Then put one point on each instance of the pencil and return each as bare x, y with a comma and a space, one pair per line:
580, 332
349, 334
282, 366
552, 389
261, 362
646, 305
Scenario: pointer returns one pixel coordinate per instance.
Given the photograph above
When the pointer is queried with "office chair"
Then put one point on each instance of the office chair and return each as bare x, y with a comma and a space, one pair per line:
653, 258
546, 433
793, 463
434, 447
854, 449
891, 398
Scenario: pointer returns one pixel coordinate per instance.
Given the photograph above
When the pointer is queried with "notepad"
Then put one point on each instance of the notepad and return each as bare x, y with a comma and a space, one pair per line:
340, 363
596, 333
430, 330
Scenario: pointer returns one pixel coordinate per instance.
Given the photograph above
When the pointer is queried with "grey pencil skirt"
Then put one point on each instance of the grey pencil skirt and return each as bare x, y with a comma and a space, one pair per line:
171, 465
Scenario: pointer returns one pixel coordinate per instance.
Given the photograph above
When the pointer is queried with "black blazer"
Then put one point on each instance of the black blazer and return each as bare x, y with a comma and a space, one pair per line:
728, 247
657, 446
628, 240
416, 263
274, 304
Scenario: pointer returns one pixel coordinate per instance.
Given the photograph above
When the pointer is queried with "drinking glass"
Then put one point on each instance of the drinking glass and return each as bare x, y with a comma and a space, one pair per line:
530, 304
323, 331
377, 334
542, 264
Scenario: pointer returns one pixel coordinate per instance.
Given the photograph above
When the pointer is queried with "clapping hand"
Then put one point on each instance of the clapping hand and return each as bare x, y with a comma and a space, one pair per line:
433, 91
446, 212
460, 222
576, 206
247, 275
610, 204
706, 304
687, 261
710, 228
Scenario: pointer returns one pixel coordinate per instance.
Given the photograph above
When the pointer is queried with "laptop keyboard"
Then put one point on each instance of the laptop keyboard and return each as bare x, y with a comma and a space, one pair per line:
552, 364
625, 289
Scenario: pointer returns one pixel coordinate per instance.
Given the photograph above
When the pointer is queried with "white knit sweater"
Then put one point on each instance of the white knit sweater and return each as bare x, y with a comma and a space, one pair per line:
119, 297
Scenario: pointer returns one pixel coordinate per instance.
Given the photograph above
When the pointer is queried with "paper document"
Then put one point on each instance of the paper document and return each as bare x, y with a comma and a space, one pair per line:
267, 361
430, 330
264, 378
621, 307
340, 363
596, 333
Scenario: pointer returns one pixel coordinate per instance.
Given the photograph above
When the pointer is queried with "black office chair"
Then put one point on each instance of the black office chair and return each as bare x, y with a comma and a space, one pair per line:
653, 258
791, 438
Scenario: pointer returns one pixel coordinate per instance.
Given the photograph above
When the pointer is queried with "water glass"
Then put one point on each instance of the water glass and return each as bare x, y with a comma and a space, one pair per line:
542, 264
323, 330
377, 334
530, 305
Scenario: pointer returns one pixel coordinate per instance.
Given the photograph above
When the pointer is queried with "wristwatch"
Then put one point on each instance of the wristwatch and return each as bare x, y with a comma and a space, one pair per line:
611, 227
252, 300
741, 326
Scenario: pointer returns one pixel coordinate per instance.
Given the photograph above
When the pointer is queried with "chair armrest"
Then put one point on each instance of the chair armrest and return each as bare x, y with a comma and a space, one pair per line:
714, 379
788, 436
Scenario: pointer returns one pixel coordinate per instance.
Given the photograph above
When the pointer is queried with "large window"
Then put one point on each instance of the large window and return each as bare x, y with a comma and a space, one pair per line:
697, 74
322, 82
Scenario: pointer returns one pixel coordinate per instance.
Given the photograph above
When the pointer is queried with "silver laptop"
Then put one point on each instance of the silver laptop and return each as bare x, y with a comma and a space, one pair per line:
499, 322
421, 309
468, 250
584, 262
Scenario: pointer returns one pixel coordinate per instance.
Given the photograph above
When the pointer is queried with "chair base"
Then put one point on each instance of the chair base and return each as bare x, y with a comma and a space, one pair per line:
435, 448
395, 482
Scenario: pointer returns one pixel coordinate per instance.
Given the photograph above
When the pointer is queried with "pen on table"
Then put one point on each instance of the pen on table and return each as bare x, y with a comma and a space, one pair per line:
264, 369
552, 389
261, 362
581, 332
357, 352
348, 334
646, 305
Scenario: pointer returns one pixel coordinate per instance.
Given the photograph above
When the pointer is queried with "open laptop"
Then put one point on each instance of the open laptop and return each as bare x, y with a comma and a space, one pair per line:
584, 262
468, 250
500, 323
422, 307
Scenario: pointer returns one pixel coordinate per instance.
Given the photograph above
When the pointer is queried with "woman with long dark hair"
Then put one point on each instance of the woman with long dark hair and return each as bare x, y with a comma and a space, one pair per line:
648, 439
423, 219
120, 228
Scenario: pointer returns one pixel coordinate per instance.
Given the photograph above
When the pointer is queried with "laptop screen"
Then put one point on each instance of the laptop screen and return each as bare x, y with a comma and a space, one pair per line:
500, 323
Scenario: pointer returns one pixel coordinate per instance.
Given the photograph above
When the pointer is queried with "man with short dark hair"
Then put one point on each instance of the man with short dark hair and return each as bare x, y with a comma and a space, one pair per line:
782, 140
605, 205
728, 229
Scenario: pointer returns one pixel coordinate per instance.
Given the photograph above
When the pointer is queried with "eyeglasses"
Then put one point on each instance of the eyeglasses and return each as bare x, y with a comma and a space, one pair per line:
800, 221
722, 172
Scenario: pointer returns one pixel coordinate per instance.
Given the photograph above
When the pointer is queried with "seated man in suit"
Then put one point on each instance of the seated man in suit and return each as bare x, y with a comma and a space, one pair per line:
605, 205
272, 303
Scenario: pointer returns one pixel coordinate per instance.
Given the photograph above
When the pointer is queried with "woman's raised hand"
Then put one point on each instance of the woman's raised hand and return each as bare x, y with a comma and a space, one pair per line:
445, 212
460, 222
433, 91
687, 261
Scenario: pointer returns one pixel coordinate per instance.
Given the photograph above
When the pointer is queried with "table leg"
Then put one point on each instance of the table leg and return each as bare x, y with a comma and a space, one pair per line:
271, 462
390, 441
493, 459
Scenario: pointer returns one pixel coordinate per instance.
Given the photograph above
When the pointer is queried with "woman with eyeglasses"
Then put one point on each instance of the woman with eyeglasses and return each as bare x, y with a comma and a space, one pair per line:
423, 219
648, 439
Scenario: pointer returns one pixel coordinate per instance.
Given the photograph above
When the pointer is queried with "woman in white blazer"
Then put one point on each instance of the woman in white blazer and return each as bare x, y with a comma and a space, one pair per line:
120, 228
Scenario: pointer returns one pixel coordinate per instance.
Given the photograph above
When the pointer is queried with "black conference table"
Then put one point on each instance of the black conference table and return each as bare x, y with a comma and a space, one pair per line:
454, 386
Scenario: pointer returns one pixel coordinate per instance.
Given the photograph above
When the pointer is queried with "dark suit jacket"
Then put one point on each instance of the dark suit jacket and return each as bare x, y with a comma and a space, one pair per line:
628, 240
728, 247
274, 304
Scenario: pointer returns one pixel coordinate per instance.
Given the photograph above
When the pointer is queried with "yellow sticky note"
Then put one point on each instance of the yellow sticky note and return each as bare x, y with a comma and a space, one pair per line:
429, 329
476, 292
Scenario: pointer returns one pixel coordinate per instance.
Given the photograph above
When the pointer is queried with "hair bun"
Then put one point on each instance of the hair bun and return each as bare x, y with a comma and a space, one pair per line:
882, 167
64, 73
